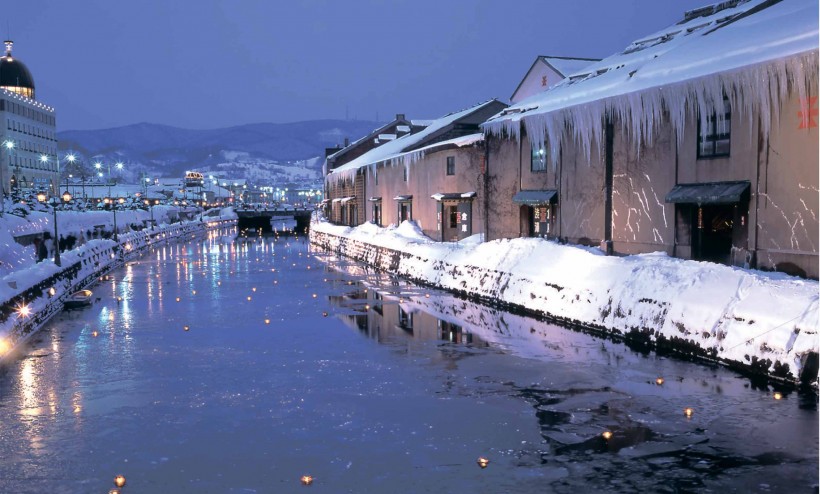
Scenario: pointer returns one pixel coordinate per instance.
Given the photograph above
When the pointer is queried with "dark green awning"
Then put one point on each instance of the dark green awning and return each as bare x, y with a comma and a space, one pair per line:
534, 197
708, 193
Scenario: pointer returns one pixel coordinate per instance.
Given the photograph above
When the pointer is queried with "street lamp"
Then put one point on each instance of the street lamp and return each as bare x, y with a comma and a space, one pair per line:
8, 146
54, 202
150, 208
114, 203
71, 158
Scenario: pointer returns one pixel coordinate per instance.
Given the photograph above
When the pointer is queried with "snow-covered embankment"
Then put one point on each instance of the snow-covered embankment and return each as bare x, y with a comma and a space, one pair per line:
762, 322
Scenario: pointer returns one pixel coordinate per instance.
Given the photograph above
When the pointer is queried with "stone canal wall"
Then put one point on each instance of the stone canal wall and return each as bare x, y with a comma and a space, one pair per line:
647, 322
38, 293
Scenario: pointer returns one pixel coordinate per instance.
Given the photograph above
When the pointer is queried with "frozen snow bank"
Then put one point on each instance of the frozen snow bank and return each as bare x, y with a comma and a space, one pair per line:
764, 321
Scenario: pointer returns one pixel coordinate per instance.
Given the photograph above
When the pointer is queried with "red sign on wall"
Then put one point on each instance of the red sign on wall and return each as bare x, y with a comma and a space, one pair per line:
808, 113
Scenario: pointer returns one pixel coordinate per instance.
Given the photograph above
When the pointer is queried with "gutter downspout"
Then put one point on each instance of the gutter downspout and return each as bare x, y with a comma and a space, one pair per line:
486, 172
607, 243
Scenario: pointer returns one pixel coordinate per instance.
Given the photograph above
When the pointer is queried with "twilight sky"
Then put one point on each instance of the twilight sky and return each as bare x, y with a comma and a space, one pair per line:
210, 63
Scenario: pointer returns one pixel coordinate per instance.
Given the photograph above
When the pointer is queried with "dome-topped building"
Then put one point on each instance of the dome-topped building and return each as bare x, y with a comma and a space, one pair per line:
28, 135
14, 75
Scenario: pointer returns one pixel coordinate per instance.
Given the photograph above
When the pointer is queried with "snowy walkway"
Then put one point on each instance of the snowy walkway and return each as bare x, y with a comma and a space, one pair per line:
766, 322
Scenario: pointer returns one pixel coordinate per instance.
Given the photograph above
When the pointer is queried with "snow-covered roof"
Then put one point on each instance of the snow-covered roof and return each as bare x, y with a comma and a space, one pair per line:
395, 150
751, 50
567, 66
372, 135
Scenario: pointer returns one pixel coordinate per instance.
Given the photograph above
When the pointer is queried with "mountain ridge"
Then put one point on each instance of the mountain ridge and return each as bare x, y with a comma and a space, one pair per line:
159, 148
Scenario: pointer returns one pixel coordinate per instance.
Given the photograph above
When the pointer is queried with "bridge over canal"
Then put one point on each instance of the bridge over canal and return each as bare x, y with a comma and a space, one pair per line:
264, 218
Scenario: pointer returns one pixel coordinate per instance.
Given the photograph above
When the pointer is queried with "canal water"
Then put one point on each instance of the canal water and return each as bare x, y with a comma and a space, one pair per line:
238, 366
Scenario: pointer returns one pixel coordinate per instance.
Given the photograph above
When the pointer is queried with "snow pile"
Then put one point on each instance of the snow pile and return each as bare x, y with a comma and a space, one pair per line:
753, 53
766, 321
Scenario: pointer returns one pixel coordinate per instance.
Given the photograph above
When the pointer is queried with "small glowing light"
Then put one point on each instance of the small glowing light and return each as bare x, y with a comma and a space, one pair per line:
119, 299
659, 381
4, 345
114, 491
426, 295
52, 291
24, 311
253, 289
275, 282
78, 409
324, 313
267, 321
178, 299
688, 411
95, 334
219, 283
314, 295
193, 292
607, 435
186, 328
778, 395
306, 480
483, 462
249, 298
119, 480
366, 307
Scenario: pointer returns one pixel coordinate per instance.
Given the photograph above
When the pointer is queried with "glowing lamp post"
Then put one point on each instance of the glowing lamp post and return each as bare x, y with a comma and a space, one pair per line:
114, 203
8, 146
54, 202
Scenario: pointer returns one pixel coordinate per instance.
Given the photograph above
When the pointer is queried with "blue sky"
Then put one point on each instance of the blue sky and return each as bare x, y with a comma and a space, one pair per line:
209, 64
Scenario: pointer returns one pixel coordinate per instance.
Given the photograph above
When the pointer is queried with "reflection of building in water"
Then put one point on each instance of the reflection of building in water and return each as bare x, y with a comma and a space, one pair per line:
382, 316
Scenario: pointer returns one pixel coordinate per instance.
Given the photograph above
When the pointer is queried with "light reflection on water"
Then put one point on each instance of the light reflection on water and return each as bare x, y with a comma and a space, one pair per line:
399, 389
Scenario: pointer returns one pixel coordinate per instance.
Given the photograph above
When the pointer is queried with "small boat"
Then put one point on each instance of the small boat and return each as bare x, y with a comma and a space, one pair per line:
78, 299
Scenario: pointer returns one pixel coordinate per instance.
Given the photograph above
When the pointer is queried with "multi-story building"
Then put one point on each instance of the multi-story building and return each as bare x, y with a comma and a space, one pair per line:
28, 157
431, 176
699, 140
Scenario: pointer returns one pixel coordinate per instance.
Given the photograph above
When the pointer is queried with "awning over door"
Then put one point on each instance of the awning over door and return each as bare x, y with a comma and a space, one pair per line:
453, 196
403, 198
708, 193
375, 199
534, 197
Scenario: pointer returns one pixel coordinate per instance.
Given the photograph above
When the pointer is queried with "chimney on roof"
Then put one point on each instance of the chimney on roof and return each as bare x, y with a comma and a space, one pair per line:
347, 142
399, 116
